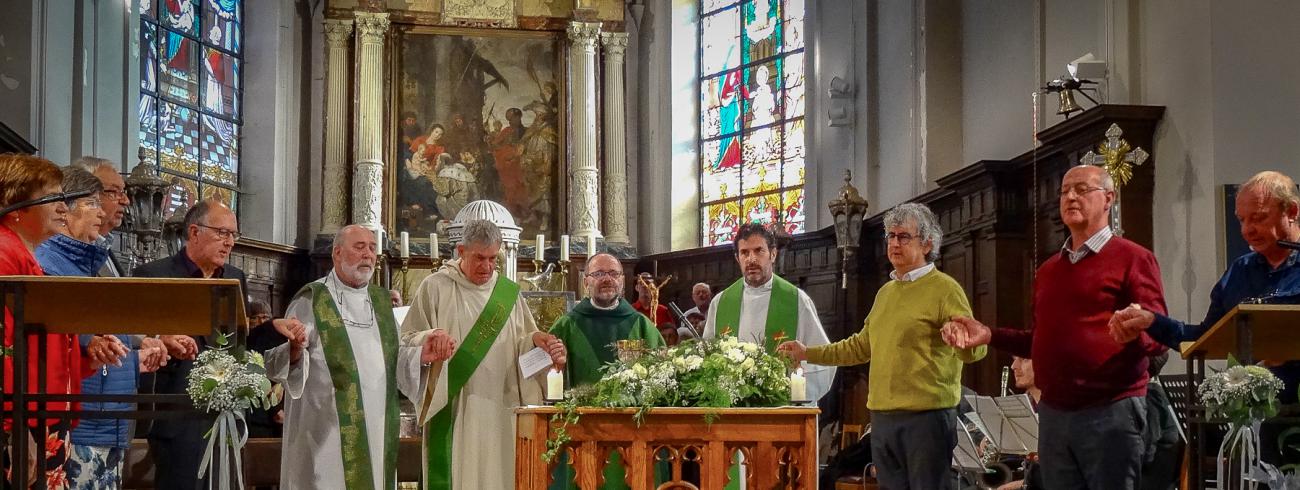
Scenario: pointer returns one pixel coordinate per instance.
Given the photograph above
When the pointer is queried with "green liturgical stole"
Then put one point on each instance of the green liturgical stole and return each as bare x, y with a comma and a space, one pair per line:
342, 363
474, 347
782, 312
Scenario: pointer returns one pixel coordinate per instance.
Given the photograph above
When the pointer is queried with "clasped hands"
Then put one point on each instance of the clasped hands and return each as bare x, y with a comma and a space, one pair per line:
105, 350
1125, 325
438, 346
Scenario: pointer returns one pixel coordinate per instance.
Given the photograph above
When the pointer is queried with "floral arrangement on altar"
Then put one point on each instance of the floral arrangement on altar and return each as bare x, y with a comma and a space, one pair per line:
713, 373
1244, 396
228, 384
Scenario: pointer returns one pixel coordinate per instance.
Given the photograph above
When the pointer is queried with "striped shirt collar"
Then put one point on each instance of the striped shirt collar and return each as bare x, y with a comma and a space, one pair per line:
913, 274
1094, 245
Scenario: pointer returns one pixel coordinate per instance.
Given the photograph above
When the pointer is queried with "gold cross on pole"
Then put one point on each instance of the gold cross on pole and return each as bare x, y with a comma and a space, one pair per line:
1118, 159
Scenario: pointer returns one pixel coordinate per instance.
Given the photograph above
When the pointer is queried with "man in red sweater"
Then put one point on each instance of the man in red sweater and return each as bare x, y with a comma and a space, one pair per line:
1093, 404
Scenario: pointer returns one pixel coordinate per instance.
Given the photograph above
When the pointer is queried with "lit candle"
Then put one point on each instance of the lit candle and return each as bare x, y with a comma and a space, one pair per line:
564, 248
433, 246
541, 248
591, 245
798, 386
406, 245
554, 385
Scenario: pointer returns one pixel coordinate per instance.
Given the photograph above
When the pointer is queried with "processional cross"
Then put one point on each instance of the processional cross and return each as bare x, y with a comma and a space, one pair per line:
1118, 159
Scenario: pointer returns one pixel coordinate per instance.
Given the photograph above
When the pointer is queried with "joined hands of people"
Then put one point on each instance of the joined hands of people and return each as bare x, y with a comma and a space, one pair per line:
106, 350
181, 346
793, 349
153, 355
1127, 324
964, 332
296, 332
438, 346
553, 346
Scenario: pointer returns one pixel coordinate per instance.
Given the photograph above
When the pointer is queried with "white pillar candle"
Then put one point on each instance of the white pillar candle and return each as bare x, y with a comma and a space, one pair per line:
591, 245
406, 245
554, 385
433, 246
379, 241
540, 253
564, 248
798, 386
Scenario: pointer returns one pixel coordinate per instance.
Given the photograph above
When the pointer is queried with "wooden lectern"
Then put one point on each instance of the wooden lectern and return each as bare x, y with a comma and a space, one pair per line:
779, 445
89, 305
1249, 332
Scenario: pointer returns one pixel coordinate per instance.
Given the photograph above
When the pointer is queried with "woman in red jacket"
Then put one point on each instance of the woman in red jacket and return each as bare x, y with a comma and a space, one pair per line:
34, 208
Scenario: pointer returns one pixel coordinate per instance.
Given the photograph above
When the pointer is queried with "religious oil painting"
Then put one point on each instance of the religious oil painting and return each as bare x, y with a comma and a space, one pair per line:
478, 115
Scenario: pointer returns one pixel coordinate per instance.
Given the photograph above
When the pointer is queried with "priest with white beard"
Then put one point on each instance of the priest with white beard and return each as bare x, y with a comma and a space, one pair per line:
765, 309
467, 404
342, 369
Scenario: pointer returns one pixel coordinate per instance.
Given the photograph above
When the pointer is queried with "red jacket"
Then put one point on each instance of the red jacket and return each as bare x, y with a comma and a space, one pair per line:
62, 356
661, 317
1076, 362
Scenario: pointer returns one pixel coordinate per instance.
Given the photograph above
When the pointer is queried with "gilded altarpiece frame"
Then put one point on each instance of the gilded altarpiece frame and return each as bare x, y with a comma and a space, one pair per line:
476, 114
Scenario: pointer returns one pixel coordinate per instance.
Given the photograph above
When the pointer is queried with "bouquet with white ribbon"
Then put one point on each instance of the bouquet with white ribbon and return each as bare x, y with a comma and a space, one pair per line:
228, 384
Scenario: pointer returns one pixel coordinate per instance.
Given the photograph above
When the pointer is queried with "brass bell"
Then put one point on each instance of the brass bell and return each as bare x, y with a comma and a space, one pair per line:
1066, 104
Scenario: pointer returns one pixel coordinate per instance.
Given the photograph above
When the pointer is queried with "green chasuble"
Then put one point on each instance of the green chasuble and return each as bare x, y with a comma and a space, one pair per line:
590, 333
782, 312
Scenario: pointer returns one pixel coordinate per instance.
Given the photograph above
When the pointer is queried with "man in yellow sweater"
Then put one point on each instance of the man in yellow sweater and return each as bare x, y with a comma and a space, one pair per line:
915, 377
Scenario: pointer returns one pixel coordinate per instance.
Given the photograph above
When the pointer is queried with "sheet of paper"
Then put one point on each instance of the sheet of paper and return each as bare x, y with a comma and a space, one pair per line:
1010, 422
399, 314
964, 457
534, 361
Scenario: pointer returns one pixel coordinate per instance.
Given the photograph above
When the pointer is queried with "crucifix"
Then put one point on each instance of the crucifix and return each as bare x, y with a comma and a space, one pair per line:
1118, 158
652, 290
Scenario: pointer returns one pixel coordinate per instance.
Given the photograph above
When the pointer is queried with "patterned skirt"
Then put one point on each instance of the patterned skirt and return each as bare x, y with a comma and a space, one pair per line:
54, 443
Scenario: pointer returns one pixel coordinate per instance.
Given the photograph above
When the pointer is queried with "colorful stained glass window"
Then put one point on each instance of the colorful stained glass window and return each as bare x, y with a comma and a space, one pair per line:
191, 92
751, 141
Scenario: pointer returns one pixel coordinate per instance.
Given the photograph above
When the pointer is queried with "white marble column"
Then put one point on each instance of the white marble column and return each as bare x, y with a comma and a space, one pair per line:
615, 131
584, 178
334, 188
368, 173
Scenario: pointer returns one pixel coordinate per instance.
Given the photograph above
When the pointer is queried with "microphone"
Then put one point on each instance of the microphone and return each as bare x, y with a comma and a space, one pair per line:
1005, 372
1288, 244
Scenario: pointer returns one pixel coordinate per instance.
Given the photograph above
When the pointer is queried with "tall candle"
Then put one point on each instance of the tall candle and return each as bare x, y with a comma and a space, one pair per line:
379, 240
433, 246
406, 245
591, 245
798, 386
540, 254
554, 385
564, 248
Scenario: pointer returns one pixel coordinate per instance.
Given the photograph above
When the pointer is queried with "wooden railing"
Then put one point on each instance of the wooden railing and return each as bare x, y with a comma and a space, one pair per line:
778, 445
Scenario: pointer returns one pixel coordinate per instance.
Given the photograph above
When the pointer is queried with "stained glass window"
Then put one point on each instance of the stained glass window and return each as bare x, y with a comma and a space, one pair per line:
751, 140
191, 90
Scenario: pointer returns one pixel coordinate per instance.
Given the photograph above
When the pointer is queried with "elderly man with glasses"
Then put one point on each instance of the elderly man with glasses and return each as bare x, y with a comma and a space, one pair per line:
915, 378
591, 329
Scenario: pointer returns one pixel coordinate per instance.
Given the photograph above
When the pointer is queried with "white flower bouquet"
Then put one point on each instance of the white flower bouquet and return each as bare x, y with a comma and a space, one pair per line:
1244, 396
228, 384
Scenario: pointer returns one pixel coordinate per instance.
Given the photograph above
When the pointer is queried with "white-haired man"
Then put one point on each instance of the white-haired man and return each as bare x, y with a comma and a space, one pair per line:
471, 309
342, 369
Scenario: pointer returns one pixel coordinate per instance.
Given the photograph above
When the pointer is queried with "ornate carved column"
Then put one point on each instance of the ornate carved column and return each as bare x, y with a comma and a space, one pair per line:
368, 173
584, 201
334, 204
615, 130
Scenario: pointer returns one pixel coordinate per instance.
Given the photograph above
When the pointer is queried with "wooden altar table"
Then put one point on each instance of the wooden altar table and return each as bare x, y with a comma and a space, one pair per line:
779, 446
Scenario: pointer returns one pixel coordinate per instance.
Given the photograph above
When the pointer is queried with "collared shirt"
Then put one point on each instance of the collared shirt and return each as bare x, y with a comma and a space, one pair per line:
193, 269
1093, 245
913, 274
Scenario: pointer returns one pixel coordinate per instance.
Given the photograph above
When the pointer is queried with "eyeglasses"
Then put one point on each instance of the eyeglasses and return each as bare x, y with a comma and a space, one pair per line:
902, 238
113, 194
69, 199
603, 274
222, 232
1078, 190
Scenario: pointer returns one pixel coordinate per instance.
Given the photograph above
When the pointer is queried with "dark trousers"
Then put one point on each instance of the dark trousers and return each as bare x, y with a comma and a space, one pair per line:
913, 450
176, 462
1097, 448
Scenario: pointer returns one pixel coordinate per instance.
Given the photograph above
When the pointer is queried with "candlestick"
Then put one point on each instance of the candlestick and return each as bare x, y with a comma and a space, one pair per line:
798, 386
433, 246
554, 385
405, 250
540, 253
564, 248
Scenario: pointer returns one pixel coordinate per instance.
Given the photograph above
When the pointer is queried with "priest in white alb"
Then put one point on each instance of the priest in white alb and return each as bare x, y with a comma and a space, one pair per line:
342, 369
765, 309
467, 405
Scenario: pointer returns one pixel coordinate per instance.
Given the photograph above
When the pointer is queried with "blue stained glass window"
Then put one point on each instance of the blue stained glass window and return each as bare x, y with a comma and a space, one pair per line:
191, 92
751, 139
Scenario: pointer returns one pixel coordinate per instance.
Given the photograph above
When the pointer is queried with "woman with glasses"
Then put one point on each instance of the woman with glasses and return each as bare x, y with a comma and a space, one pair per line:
33, 208
97, 448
